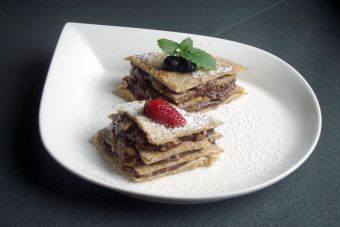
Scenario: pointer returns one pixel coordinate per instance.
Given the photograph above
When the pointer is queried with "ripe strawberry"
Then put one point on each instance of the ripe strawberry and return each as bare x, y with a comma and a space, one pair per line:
160, 111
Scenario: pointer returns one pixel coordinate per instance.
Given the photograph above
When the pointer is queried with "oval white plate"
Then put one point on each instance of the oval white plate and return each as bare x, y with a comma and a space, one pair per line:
268, 133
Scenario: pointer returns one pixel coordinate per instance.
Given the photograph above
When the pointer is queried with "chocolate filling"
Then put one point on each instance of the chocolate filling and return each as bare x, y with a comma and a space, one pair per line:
128, 159
140, 84
128, 130
203, 105
144, 86
107, 147
176, 156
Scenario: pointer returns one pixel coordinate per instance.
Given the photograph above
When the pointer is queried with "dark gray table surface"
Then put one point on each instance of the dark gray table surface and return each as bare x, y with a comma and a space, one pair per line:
35, 190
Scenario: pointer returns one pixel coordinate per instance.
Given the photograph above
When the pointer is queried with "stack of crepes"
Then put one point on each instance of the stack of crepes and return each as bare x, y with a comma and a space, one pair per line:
146, 150
196, 91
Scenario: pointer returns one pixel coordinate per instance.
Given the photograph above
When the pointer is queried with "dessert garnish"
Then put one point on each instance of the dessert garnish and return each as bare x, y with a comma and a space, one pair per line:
162, 112
183, 57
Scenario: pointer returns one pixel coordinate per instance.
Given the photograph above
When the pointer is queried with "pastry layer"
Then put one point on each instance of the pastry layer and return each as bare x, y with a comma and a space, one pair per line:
177, 82
129, 143
180, 158
171, 165
158, 134
178, 168
149, 157
196, 104
144, 86
134, 136
204, 104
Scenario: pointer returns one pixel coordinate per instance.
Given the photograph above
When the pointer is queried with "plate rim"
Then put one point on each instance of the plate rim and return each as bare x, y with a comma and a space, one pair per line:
183, 199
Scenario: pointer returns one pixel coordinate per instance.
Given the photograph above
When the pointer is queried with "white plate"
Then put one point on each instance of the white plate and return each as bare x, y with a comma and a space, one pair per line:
268, 133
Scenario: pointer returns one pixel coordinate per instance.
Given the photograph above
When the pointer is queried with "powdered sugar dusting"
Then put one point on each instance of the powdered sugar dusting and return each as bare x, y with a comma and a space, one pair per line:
196, 122
147, 57
220, 68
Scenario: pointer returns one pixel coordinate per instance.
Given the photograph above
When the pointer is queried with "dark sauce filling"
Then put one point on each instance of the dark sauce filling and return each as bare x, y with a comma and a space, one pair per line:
128, 130
143, 86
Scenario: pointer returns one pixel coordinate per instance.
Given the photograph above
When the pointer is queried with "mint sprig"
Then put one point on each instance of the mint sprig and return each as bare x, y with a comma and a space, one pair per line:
186, 45
186, 50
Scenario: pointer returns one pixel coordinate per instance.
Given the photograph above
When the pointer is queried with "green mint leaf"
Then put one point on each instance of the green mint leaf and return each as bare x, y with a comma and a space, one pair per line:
186, 45
168, 46
186, 50
201, 58
184, 54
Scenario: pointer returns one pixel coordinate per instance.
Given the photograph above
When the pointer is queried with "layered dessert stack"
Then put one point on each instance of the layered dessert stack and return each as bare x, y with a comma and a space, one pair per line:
193, 91
146, 150
156, 134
